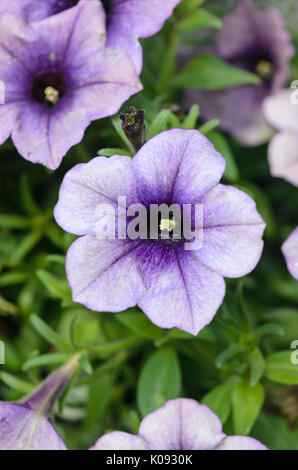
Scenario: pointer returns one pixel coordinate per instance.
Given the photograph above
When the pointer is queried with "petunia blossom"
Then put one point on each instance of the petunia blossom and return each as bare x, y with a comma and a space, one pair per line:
26, 424
281, 111
180, 424
173, 285
254, 39
126, 20
58, 76
290, 252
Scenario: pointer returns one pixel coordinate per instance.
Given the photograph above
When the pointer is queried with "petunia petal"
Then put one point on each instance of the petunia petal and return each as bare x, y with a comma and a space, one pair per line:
281, 111
290, 252
183, 293
283, 156
141, 18
233, 228
24, 429
240, 443
86, 186
177, 166
103, 274
120, 441
182, 424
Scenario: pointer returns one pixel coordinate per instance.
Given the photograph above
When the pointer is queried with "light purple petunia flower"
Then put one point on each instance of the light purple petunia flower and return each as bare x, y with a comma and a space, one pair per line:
181, 424
290, 252
256, 40
126, 20
58, 77
26, 425
281, 111
174, 287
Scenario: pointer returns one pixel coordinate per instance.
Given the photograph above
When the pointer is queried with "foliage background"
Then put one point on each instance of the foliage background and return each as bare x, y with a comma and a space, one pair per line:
239, 365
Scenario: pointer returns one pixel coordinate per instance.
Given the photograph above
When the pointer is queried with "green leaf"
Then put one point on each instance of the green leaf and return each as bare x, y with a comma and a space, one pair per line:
26, 245
269, 329
14, 221
247, 402
15, 383
46, 359
191, 119
160, 380
211, 73
159, 124
108, 152
139, 324
199, 19
209, 126
219, 400
50, 335
86, 364
281, 367
58, 288
228, 353
257, 366
222, 146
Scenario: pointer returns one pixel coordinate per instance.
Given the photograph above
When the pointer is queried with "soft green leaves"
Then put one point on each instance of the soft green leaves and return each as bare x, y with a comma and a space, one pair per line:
199, 19
222, 146
247, 402
50, 335
160, 380
139, 324
257, 366
58, 288
282, 367
110, 151
219, 400
211, 73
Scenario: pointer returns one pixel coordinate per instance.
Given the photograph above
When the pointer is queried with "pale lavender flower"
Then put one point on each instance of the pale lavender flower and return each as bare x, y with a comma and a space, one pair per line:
174, 287
290, 252
58, 77
181, 424
126, 20
256, 40
26, 424
281, 111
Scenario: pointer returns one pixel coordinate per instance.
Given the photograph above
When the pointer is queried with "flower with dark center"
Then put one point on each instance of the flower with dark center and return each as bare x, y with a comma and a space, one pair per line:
26, 424
58, 76
175, 286
256, 40
126, 20
180, 424
290, 252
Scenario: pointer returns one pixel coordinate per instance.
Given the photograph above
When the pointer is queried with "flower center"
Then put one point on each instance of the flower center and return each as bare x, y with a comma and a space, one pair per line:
48, 88
167, 225
264, 69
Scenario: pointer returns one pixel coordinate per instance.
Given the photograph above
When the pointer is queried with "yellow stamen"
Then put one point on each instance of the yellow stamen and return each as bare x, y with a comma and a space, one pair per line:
264, 68
51, 94
167, 224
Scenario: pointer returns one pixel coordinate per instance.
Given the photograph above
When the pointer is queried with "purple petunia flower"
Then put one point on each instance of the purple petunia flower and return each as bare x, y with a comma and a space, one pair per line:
281, 111
26, 425
174, 286
290, 252
256, 40
126, 20
181, 424
58, 77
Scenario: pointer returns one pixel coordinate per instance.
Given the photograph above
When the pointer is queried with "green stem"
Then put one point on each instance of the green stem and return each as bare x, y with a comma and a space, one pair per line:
169, 64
